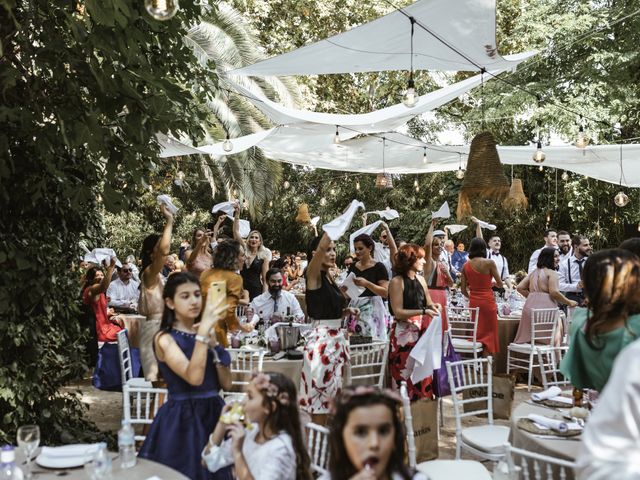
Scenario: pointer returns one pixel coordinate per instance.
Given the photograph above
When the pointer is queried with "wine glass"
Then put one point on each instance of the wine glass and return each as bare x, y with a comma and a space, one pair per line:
28, 440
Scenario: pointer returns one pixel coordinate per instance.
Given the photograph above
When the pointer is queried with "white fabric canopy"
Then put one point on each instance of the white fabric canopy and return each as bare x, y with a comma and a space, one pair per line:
458, 35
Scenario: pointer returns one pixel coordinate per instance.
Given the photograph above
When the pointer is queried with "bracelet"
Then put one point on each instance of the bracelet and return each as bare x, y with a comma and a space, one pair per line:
202, 339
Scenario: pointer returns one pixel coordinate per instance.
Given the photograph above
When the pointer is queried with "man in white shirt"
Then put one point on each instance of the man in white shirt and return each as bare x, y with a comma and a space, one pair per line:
570, 270
385, 249
443, 237
550, 240
274, 304
493, 253
123, 292
564, 245
610, 447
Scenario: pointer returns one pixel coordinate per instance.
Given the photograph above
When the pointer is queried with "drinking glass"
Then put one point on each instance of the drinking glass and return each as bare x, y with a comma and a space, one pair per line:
28, 440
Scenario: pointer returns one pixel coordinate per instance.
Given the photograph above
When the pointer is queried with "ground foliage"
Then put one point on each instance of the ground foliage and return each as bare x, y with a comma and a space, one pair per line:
85, 87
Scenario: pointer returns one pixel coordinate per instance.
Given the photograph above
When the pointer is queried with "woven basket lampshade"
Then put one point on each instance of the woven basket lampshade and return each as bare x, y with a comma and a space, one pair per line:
516, 200
303, 214
484, 178
384, 180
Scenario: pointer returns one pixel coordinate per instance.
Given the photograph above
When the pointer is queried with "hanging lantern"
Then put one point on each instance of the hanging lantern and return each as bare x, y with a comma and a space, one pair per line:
539, 155
621, 199
162, 9
486, 179
516, 200
460, 173
384, 180
582, 140
565, 175
303, 214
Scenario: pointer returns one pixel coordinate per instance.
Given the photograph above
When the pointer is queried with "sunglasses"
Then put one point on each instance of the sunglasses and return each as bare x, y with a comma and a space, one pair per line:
125, 270
383, 237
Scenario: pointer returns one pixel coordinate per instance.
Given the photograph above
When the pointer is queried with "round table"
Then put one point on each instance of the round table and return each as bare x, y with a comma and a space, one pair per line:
133, 324
507, 329
565, 449
144, 469
289, 368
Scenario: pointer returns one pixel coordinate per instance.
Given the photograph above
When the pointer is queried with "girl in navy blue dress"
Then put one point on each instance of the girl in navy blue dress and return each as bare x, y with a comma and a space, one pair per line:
195, 368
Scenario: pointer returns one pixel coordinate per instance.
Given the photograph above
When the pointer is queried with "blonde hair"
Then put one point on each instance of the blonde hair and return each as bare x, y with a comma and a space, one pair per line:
263, 252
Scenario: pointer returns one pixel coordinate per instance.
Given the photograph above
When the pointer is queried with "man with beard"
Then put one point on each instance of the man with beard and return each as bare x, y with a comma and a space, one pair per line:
274, 304
570, 270
493, 253
550, 241
564, 245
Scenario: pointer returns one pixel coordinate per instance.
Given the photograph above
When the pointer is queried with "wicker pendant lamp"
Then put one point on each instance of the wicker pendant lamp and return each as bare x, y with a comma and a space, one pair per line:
484, 178
516, 200
303, 214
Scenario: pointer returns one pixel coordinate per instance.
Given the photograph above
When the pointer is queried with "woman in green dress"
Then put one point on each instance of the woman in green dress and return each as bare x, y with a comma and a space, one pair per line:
611, 283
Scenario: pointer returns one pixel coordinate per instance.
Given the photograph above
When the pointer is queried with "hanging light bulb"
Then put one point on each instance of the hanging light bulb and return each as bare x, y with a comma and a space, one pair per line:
410, 97
234, 193
541, 168
227, 146
598, 231
323, 201
539, 155
286, 184
162, 9
441, 192
548, 217
565, 176
415, 182
179, 180
460, 173
417, 188
271, 203
358, 185
615, 218
621, 199
336, 138
639, 227
424, 156
581, 141
332, 192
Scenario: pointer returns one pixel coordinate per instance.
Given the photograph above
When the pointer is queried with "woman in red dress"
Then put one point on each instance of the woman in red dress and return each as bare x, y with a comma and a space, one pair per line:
476, 284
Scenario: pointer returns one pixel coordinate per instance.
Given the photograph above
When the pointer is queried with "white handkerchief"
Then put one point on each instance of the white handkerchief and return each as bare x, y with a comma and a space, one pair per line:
315, 220
353, 290
453, 229
549, 393
368, 229
226, 207
338, 226
427, 353
488, 226
244, 227
166, 199
557, 425
97, 255
390, 214
443, 212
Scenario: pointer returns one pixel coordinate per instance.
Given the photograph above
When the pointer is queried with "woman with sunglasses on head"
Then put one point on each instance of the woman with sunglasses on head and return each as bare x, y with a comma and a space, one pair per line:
257, 258
436, 271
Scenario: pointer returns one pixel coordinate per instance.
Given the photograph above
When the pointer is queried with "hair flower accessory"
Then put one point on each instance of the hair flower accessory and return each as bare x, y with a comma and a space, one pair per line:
262, 382
353, 393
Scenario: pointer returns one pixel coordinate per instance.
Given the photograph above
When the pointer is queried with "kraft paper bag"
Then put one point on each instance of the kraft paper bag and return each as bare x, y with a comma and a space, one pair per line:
503, 392
425, 429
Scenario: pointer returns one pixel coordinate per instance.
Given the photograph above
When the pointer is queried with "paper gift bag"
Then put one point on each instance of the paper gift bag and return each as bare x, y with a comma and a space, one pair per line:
425, 429
503, 391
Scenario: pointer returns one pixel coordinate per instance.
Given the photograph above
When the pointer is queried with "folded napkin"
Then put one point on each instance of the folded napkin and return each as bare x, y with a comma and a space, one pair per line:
226, 207
390, 214
547, 394
70, 451
546, 422
368, 229
166, 199
455, 228
426, 355
443, 211
488, 226
244, 227
338, 226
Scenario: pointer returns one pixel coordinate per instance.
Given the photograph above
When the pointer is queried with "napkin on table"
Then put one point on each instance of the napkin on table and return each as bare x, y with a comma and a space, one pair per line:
70, 451
546, 422
547, 394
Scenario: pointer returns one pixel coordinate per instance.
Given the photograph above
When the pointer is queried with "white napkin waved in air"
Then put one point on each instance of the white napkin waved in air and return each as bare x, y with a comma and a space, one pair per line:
166, 199
338, 226
390, 214
443, 211
426, 355
245, 228
547, 394
368, 229
97, 255
488, 226
453, 229
70, 451
546, 422
226, 207
314, 221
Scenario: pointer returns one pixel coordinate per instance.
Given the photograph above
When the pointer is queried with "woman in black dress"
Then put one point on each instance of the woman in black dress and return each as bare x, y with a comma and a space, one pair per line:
257, 259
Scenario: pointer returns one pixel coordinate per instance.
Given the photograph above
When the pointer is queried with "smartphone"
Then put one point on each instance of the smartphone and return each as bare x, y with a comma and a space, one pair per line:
216, 291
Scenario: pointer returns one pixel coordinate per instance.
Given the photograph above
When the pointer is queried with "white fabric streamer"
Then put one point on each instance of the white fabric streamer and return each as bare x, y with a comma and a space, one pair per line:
443, 211
426, 355
338, 226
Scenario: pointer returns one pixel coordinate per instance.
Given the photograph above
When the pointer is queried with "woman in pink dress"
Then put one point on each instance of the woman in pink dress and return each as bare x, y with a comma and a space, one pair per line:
541, 289
476, 283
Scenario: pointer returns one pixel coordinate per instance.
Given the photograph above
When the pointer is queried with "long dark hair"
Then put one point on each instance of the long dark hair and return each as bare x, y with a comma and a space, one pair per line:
90, 277
286, 417
340, 466
226, 255
477, 248
312, 247
611, 280
173, 282
148, 245
547, 258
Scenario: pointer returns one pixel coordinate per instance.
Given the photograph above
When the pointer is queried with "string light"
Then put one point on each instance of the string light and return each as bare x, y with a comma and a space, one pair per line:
539, 155
286, 184
336, 138
227, 146
410, 98
415, 182
460, 173
621, 199
424, 156
323, 201
441, 192
581, 141
162, 9
358, 185
541, 168
271, 203
565, 175
417, 188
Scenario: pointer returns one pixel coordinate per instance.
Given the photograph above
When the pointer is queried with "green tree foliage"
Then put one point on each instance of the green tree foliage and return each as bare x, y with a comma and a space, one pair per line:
85, 87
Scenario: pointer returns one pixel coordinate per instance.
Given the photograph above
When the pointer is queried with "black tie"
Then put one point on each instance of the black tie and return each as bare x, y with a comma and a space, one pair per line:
275, 304
495, 254
580, 262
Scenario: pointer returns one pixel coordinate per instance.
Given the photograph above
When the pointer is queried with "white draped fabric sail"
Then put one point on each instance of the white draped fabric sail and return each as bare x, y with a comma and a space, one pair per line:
448, 36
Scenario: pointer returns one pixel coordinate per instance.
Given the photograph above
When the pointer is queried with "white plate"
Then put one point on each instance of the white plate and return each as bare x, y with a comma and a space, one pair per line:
68, 456
64, 462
